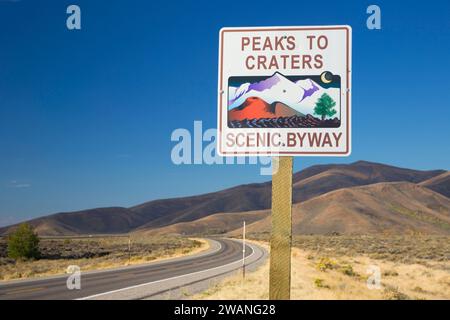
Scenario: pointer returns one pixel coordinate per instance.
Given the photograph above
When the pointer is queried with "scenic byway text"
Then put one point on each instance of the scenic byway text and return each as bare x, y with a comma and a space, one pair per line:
277, 139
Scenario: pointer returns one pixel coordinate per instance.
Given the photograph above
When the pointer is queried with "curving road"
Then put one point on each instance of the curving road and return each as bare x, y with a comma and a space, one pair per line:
138, 282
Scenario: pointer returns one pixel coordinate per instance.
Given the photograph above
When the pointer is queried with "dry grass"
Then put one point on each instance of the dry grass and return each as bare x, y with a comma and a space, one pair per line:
406, 249
96, 254
318, 272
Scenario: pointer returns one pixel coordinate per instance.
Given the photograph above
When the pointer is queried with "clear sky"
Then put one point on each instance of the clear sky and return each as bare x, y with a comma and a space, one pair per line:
86, 116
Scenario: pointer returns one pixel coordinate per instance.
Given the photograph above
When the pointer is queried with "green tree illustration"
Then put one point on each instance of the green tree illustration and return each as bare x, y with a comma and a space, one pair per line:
324, 106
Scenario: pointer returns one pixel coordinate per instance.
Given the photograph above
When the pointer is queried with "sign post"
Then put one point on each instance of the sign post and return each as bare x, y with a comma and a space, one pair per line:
280, 241
284, 92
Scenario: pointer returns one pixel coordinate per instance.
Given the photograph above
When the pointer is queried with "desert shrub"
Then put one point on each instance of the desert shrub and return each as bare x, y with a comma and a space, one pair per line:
196, 243
390, 273
348, 271
325, 264
392, 293
320, 283
23, 243
419, 289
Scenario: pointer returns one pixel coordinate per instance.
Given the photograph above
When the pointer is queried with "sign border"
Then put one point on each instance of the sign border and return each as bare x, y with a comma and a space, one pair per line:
347, 151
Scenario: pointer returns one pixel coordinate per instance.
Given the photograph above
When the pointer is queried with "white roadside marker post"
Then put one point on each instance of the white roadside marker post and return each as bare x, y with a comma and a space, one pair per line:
243, 251
129, 249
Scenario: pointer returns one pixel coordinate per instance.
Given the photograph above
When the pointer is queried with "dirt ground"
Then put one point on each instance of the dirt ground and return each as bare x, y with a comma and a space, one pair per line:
95, 254
341, 267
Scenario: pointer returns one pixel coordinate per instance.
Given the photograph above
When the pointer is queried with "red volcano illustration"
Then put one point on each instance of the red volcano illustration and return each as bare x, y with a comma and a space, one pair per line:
256, 108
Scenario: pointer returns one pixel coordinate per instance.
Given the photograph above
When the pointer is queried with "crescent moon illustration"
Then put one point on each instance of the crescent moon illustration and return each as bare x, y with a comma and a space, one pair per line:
326, 77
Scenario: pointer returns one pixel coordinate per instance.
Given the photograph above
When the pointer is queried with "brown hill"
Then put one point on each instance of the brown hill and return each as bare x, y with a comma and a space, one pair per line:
238, 199
321, 179
389, 208
308, 183
440, 183
213, 224
93, 221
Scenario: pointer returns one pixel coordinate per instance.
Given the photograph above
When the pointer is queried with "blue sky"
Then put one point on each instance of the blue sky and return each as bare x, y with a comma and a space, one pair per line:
86, 116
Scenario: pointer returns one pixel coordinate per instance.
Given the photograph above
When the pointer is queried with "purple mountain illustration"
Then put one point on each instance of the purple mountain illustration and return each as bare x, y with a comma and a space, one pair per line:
300, 95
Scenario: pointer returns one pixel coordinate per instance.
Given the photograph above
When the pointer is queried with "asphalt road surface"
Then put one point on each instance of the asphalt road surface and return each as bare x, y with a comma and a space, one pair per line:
144, 280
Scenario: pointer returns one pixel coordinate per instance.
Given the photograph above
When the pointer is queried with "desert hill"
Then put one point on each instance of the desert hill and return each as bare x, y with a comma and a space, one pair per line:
388, 208
218, 223
308, 184
382, 208
321, 179
92, 221
440, 183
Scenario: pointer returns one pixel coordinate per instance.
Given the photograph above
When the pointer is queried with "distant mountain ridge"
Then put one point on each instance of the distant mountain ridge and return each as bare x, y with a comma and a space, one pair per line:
394, 208
440, 183
310, 183
389, 208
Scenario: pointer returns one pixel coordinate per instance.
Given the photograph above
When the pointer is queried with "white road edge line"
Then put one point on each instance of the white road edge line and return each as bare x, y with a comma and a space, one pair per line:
172, 278
130, 267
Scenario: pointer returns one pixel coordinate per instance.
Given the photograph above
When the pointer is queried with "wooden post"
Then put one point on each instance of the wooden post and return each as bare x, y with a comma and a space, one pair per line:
280, 241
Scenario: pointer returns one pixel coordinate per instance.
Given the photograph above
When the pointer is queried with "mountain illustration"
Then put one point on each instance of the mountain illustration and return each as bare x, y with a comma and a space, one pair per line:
256, 108
299, 95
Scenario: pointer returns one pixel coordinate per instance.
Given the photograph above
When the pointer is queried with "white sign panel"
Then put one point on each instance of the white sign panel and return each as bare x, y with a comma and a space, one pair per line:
284, 91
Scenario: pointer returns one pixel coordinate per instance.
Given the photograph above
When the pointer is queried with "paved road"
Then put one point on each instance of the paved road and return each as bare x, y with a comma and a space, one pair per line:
137, 281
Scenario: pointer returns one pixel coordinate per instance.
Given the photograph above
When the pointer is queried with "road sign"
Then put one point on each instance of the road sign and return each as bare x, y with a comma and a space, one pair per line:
284, 91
